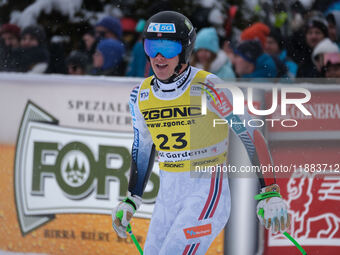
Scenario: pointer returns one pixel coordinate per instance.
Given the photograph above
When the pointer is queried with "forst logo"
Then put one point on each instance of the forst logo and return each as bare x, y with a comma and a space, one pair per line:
70, 171
76, 170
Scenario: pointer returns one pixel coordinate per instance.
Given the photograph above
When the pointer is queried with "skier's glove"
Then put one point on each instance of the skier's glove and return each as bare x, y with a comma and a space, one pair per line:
272, 210
123, 212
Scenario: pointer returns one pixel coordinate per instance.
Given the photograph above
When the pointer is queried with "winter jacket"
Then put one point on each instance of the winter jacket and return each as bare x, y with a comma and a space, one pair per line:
265, 67
221, 66
9, 58
33, 59
291, 65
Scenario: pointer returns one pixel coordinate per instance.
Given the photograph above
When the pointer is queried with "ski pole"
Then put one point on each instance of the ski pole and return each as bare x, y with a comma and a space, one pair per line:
295, 243
119, 215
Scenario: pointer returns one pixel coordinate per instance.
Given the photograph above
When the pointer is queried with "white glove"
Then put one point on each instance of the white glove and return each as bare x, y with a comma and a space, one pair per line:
123, 212
273, 211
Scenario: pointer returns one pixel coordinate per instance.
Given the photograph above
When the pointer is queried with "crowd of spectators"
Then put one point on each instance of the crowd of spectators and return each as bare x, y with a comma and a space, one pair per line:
114, 47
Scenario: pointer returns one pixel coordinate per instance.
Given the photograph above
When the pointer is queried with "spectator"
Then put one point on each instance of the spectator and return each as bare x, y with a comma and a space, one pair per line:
333, 20
139, 65
315, 31
109, 54
275, 46
208, 55
109, 28
251, 62
10, 34
34, 53
89, 45
325, 46
77, 63
257, 31
10, 41
89, 41
331, 62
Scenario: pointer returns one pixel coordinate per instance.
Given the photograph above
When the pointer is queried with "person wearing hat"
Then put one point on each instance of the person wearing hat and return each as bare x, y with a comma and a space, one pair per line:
275, 47
10, 34
192, 207
109, 28
331, 63
32, 36
316, 30
208, 55
108, 57
257, 31
251, 62
325, 46
77, 63
34, 52
9, 41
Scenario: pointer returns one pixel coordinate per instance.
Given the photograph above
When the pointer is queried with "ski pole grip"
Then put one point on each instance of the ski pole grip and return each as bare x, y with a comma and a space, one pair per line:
266, 195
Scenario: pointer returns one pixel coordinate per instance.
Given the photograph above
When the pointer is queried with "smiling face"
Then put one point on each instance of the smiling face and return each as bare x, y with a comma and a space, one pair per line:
163, 67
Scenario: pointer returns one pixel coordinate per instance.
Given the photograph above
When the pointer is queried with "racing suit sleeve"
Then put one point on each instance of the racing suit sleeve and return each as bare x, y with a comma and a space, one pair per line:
251, 137
143, 149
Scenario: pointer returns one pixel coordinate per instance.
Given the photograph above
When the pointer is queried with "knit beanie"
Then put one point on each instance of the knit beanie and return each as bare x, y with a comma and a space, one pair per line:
112, 24
11, 29
207, 39
249, 50
35, 31
325, 46
257, 31
113, 52
77, 58
318, 22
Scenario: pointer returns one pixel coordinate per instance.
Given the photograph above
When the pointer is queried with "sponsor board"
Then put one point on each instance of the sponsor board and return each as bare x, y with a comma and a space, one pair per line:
67, 170
313, 197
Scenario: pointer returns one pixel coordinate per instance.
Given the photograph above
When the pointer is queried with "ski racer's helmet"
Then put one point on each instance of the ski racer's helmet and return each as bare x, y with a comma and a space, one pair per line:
169, 26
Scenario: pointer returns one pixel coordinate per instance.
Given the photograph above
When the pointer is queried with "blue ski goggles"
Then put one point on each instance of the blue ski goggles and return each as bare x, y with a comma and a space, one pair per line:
166, 48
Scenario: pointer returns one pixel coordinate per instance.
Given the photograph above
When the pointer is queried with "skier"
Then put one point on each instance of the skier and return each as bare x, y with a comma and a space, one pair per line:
166, 111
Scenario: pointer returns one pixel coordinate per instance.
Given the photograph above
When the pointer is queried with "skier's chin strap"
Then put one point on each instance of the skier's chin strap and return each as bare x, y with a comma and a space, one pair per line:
175, 75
